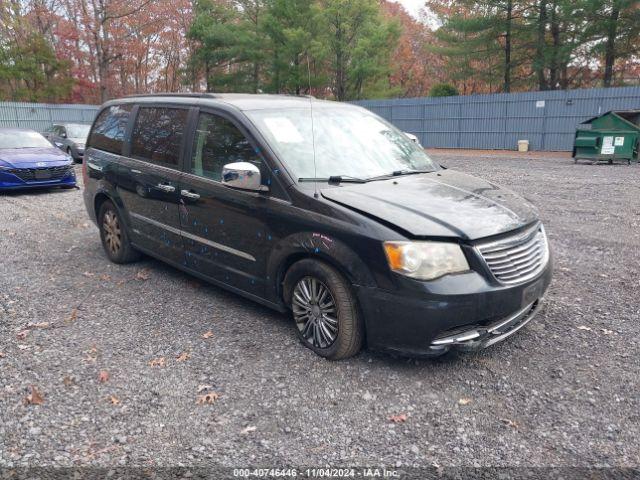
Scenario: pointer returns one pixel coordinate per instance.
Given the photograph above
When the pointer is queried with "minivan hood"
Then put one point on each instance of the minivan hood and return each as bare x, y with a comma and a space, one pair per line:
440, 204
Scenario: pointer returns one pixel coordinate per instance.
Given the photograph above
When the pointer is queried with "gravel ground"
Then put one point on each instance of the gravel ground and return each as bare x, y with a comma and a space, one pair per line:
118, 354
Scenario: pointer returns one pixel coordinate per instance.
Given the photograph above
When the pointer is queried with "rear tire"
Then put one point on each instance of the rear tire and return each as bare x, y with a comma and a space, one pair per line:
114, 235
325, 309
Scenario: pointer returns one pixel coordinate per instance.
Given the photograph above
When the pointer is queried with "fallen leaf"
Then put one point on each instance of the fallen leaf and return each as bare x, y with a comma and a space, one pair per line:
202, 388
398, 418
68, 381
509, 423
114, 400
74, 316
88, 274
34, 398
584, 327
208, 398
2, 355
157, 362
91, 355
194, 284
22, 335
103, 376
606, 332
23, 347
464, 401
248, 429
183, 357
143, 275
209, 334
105, 277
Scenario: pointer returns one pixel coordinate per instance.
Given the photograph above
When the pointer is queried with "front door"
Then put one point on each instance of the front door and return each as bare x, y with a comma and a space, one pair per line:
223, 228
149, 180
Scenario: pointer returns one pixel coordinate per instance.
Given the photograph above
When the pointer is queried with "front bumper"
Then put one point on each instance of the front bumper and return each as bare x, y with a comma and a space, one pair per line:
9, 181
464, 312
479, 337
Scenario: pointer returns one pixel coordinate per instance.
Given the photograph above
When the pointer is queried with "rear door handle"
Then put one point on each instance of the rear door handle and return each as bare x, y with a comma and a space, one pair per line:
190, 195
166, 188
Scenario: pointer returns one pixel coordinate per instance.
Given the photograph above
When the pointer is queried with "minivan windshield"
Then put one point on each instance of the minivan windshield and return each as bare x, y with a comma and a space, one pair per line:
22, 139
77, 130
349, 142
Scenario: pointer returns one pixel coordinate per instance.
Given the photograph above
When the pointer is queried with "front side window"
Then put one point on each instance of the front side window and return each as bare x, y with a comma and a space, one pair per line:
217, 143
157, 135
109, 129
348, 141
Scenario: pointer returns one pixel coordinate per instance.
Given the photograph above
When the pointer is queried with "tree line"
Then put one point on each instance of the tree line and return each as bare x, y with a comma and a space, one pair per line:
539, 44
91, 50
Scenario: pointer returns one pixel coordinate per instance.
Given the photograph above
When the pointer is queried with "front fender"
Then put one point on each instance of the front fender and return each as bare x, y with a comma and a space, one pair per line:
315, 245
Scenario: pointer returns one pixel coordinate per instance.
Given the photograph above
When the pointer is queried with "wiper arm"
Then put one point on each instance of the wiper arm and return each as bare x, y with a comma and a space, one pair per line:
335, 179
399, 173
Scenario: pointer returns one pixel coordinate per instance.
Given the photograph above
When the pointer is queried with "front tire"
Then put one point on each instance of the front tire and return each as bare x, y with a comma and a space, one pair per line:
114, 236
70, 153
325, 310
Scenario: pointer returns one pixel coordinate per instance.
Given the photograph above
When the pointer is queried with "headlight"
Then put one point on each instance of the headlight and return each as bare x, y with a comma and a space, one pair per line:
425, 260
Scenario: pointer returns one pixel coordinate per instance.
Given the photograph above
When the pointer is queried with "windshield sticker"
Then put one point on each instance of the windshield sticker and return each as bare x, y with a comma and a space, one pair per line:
284, 130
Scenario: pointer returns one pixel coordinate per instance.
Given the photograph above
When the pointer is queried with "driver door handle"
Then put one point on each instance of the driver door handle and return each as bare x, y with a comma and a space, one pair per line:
166, 188
189, 195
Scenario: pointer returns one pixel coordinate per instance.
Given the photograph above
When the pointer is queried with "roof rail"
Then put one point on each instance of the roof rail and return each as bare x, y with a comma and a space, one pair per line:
177, 94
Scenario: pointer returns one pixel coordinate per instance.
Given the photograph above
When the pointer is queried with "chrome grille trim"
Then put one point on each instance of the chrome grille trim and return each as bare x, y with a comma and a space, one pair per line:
518, 258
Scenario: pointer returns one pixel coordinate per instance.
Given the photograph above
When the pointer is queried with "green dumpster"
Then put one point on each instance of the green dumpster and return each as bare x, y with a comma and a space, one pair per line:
612, 137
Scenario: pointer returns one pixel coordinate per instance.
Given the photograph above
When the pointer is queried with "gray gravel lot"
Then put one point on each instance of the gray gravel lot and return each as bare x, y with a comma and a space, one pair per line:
562, 392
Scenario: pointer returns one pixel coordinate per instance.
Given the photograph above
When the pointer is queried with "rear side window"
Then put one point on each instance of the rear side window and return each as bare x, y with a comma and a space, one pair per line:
157, 135
109, 129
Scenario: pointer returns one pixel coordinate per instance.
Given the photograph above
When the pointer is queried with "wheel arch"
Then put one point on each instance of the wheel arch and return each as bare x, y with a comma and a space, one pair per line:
98, 201
316, 247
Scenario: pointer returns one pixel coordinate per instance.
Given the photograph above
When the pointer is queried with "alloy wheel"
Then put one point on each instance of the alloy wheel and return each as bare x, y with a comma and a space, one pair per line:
112, 231
315, 312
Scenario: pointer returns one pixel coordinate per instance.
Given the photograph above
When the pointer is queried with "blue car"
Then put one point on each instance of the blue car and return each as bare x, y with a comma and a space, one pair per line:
28, 160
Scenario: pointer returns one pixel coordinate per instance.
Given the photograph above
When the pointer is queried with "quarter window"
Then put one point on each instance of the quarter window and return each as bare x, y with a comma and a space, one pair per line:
218, 142
157, 135
109, 129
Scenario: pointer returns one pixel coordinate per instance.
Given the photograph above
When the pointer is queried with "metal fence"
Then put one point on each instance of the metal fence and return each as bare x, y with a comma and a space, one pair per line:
547, 119
40, 116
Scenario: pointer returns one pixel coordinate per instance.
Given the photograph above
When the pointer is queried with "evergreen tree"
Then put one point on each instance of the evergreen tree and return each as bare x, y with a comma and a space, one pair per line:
358, 42
292, 28
30, 71
486, 40
613, 29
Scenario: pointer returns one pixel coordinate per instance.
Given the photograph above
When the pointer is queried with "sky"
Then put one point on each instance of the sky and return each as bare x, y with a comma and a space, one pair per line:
412, 6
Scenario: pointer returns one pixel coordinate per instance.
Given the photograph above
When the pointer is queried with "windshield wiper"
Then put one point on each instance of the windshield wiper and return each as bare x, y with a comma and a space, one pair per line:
399, 173
336, 179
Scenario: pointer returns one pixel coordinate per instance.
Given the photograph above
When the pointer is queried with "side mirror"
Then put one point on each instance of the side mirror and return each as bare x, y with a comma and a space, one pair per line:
243, 176
63, 135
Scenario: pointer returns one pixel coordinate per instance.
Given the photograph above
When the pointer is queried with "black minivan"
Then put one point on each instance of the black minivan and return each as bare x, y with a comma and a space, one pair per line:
321, 208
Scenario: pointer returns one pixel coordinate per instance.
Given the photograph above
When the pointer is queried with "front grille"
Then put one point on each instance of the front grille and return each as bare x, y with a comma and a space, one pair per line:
517, 258
44, 174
